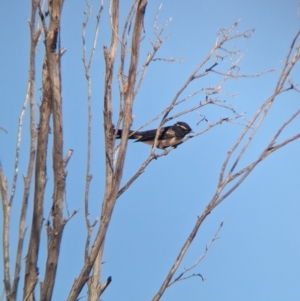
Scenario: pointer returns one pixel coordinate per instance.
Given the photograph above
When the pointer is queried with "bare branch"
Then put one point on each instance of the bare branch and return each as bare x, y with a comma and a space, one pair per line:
34, 37
59, 174
87, 65
195, 75
68, 157
129, 81
181, 254
3, 129
113, 176
180, 278
262, 111
87, 70
138, 173
20, 127
244, 75
5, 232
159, 40
31, 271
176, 102
70, 216
269, 149
259, 116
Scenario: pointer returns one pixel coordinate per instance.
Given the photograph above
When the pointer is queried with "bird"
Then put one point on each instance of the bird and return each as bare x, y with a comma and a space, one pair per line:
168, 136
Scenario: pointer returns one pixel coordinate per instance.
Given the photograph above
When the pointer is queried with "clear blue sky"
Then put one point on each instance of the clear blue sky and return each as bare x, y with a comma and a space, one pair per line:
257, 254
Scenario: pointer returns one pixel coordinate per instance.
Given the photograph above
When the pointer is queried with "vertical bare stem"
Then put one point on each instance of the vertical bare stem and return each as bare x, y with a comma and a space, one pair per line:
108, 128
56, 230
93, 285
6, 218
34, 37
88, 163
31, 271
181, 254
113, 177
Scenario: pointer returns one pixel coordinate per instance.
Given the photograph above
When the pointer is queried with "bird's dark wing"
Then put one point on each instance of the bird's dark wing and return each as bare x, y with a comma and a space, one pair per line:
149, 135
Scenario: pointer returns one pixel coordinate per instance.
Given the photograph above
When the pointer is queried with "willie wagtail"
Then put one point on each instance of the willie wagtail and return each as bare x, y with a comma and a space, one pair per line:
168, 136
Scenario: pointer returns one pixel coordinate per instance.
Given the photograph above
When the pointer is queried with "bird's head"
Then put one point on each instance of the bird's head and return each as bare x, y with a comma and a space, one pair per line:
183, 127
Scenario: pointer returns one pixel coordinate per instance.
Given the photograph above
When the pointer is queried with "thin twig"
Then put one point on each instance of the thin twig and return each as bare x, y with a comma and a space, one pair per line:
259, 115
5, 231
19, 135
87, 66
180, 278
34, 37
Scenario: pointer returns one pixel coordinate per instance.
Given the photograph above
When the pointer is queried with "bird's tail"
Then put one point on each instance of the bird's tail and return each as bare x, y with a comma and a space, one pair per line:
120, 132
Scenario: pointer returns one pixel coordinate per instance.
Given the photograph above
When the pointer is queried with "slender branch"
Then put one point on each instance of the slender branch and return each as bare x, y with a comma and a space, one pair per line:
92, 291
113, 176
155, 47
5, 233
19, 135
59, 174
263, 110
31, 270
68, 157
181, 254
180, 278
244, 75
195, 75
269, 149
34, 37
88, 175
218, 45
260, 116
70, 216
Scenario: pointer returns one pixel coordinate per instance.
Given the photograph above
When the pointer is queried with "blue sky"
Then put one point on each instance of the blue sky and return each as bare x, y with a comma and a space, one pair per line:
257, 254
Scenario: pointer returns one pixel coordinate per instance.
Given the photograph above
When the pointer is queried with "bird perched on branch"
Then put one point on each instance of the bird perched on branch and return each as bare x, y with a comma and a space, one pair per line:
168, 136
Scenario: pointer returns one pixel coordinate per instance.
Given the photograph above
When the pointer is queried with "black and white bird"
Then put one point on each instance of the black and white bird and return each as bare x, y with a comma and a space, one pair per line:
168, 136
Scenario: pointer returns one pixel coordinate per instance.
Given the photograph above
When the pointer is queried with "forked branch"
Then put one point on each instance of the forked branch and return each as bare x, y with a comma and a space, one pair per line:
251, 129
